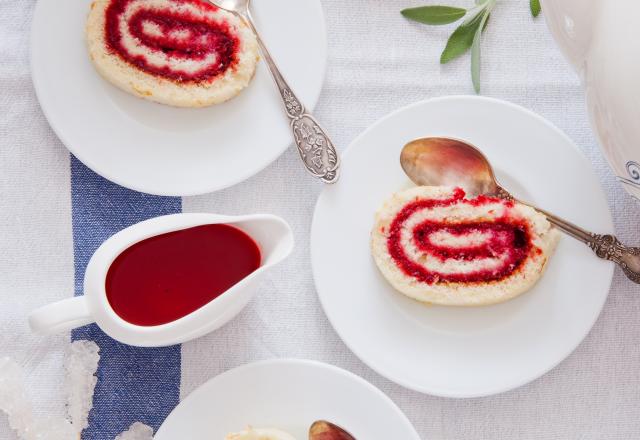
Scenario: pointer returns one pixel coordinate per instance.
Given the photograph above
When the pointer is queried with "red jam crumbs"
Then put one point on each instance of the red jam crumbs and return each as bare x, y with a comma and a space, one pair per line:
182, 36
508, 238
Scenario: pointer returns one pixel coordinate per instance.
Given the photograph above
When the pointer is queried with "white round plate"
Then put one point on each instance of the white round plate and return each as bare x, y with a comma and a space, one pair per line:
164, 150
461, 352
288, 395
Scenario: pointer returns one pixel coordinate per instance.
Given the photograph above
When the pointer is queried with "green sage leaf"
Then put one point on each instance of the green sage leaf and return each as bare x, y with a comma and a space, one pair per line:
535, 7
461, 39
475, 53
435, 15
486, 22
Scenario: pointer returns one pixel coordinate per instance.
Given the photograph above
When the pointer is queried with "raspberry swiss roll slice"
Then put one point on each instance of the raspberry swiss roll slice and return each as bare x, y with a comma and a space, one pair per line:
436, 246
185, 53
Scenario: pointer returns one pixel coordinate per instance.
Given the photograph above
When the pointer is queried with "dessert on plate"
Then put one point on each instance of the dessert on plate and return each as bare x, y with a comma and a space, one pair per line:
260, 434
319, 430
436, 246
185, 53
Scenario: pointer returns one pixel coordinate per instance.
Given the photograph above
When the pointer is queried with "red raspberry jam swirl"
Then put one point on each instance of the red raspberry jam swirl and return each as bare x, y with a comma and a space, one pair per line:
506, 240
173, 39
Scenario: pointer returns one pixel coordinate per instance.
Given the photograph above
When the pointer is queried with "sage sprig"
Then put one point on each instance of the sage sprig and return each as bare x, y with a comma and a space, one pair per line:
468, 35
535, 7
435, 14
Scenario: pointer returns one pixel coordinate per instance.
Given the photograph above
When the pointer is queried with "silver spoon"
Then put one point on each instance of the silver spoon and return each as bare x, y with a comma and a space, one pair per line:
450, 162
316, 149
323, 430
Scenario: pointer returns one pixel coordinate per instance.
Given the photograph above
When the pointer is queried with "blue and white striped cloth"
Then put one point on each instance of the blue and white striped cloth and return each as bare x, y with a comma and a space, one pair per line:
54, 213
99, 209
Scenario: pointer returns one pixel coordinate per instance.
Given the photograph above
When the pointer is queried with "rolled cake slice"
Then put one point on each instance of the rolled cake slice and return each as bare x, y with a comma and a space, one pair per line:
185, 53
259, 434
436, 246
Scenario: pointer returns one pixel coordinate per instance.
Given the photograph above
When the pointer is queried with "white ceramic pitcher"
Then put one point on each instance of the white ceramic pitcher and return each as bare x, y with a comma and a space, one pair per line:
601, 39
272, 234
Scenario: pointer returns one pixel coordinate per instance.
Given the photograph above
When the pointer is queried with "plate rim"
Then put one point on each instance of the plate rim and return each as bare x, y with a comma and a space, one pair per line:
39, 85
298, 362
443, 392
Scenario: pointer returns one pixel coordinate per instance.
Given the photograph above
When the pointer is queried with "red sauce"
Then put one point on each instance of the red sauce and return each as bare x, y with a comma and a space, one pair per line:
206, 37
169, 276
507, 237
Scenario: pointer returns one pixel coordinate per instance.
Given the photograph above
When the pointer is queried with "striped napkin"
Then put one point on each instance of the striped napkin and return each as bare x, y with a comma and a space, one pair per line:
134, 384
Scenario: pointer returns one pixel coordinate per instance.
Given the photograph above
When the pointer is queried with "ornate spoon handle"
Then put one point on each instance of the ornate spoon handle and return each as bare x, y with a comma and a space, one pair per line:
314, 145
607, 247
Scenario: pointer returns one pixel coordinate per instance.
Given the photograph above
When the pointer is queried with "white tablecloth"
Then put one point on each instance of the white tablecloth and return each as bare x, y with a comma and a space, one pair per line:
377, 62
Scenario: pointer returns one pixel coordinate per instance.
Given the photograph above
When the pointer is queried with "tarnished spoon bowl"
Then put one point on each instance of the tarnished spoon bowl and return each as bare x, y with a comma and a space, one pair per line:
438, 161
448, 162
323, 430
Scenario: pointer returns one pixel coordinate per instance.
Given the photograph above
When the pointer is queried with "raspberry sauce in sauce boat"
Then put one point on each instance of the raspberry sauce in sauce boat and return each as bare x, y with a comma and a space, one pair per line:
173, 278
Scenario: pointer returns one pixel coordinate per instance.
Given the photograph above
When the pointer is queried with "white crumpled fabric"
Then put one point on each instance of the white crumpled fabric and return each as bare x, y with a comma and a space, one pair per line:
81, 364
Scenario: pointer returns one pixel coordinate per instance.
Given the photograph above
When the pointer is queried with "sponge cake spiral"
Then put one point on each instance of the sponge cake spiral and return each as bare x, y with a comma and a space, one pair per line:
185, 53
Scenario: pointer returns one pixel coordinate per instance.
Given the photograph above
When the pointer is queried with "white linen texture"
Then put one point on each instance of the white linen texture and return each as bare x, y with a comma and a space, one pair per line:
378, 62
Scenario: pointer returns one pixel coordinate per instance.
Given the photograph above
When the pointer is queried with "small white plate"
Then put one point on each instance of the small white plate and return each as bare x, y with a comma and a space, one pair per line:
163, 150
461, 352
288, 395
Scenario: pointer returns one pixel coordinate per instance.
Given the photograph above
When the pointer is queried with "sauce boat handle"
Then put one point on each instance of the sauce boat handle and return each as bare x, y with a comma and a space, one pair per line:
61, 316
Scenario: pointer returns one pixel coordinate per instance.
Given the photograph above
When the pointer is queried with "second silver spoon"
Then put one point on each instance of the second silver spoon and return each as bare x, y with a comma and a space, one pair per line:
450, 162
316, 149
